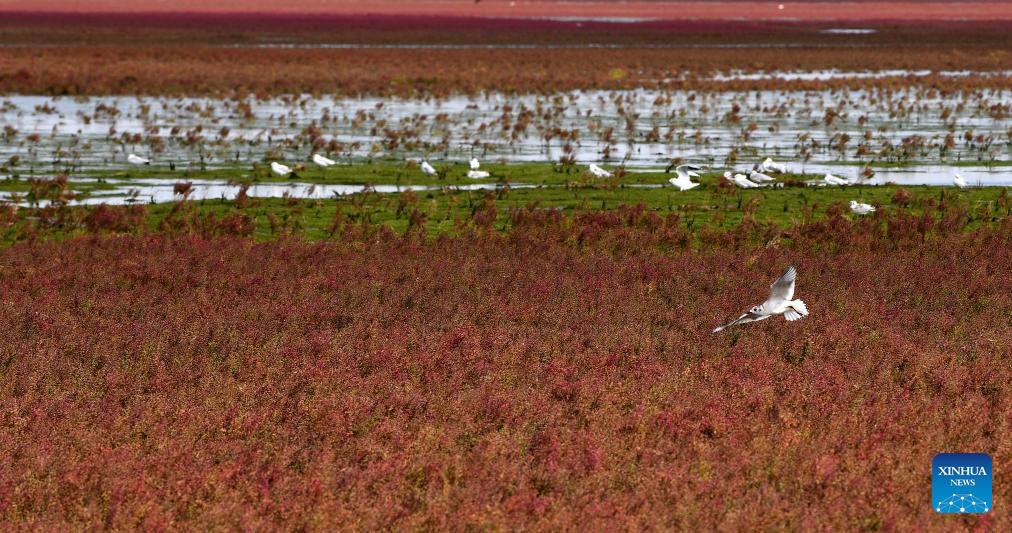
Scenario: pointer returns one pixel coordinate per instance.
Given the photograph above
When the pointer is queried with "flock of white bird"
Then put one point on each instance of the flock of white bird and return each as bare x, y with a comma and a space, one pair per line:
758, 176
285, 170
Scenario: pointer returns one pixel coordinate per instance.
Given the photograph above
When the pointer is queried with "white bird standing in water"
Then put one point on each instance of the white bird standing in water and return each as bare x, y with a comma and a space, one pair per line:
779, 303
323, 161
830, 179
428, 169
958, 181
740, 180
137, 160
769, 166
861, 208
598, 172
685, 174
279, 169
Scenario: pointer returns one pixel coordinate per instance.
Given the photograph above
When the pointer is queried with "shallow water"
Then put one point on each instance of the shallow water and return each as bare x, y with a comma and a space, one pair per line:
849, 31
527, 46
640, 128
161, 191
833, 74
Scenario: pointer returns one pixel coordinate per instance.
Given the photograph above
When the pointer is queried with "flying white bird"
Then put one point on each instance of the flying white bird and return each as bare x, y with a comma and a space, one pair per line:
740, 180
428, 169
830, 179
861, 208
475, 165
685, 174
323, 161
958, 181
758, 177
137, 160
779, 302
599, 172
769, 166
279, 169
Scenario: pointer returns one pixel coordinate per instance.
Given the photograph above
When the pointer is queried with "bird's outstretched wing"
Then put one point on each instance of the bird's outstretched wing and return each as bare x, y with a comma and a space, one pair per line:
683, 185
743, 319
783, 288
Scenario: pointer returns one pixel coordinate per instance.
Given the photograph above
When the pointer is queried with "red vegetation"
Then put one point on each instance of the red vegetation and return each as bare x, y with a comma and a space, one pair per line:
116, 219
217, 71
807, 10
561, 373
216, 54
192, 29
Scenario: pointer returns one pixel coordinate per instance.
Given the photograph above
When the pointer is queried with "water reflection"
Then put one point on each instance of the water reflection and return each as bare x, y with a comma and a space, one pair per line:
161, 191
639, 127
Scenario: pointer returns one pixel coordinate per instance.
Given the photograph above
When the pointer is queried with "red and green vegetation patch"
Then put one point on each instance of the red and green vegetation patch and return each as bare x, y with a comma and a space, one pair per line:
696, 219
557, 374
